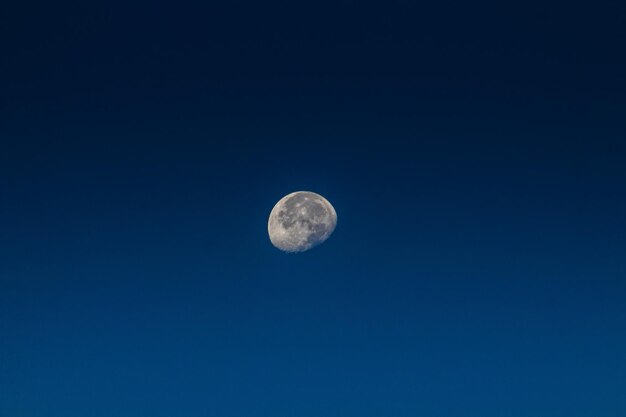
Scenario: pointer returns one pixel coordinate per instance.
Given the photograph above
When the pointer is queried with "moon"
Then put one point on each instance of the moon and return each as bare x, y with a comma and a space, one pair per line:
301, 221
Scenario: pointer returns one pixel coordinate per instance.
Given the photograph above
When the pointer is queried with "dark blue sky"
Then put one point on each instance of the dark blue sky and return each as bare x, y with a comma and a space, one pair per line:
475, 154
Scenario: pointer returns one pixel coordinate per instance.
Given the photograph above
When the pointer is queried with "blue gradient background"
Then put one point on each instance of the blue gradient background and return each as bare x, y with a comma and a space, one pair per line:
475, 154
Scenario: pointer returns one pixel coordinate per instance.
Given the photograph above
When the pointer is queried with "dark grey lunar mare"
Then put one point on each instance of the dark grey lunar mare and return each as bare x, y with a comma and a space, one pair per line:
300, 221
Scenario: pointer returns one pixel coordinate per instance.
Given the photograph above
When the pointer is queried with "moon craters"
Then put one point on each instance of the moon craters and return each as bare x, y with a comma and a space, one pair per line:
300, 221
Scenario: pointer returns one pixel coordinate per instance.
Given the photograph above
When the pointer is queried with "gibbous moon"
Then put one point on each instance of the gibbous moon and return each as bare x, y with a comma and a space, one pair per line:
300, 221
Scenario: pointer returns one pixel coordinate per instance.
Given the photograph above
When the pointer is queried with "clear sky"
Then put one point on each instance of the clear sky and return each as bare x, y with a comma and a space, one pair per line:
475, 154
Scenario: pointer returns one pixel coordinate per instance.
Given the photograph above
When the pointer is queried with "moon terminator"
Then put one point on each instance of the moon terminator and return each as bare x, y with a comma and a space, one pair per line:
301, 221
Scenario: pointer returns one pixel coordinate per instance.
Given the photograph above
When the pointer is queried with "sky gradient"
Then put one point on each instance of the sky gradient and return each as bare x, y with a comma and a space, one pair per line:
476, 157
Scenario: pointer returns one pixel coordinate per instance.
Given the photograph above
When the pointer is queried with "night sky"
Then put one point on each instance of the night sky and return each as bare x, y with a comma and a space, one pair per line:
475, 154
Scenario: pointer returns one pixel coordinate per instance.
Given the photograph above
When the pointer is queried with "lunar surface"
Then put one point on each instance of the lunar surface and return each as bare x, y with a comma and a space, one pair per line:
301, 221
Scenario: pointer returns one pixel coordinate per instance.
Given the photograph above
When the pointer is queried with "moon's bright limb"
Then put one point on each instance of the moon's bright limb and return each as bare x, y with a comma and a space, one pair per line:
300, 221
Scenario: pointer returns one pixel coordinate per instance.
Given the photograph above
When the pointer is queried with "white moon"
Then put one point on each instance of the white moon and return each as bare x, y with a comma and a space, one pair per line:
300, 221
